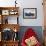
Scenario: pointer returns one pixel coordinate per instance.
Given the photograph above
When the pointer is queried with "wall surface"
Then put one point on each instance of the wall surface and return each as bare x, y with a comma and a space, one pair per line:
32, 4
26, 4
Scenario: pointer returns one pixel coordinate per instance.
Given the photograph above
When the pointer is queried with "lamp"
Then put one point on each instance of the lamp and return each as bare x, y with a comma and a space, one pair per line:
15, 3
15, 35
15, 30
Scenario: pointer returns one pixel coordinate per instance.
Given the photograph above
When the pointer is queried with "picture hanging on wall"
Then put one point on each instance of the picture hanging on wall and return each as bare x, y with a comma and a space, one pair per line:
30, 13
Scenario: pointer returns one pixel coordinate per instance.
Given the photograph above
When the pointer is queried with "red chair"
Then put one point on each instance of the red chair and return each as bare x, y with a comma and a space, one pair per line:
29, 33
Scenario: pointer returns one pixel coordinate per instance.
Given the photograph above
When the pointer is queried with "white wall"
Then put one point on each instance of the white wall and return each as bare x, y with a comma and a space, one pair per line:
27, 4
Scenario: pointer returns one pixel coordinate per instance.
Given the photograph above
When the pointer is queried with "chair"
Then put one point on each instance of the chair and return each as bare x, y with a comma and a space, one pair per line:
28, 34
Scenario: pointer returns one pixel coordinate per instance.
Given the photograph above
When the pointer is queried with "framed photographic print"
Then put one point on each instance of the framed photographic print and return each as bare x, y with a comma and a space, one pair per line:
13, 12
5, 12
30, 13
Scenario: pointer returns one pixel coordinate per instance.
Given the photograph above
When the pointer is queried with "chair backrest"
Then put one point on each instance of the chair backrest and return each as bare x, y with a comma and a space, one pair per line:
29, 33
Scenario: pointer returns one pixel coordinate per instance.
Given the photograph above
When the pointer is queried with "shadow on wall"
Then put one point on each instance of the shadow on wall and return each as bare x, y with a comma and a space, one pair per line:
37, 29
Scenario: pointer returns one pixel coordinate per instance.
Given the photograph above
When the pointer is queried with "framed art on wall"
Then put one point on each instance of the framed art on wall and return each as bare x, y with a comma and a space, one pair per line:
30, 13
5, 12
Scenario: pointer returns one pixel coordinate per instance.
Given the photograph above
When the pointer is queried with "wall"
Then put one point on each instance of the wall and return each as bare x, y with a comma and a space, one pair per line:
27, 4
32, 4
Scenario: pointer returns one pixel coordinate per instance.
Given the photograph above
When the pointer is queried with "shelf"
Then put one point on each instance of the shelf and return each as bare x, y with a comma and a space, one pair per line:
6, 12
10, 20
2, 8
7, 16
11, 41
10, 26
9, 11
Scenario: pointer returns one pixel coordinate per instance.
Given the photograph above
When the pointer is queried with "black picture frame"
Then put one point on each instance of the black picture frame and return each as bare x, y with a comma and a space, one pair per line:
29, 13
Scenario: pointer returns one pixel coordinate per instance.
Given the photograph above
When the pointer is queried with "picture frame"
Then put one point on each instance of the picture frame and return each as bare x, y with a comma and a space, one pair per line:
5, 12
30, 13
13, 12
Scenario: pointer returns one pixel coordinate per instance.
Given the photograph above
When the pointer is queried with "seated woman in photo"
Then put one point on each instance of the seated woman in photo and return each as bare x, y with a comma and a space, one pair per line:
30, 38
